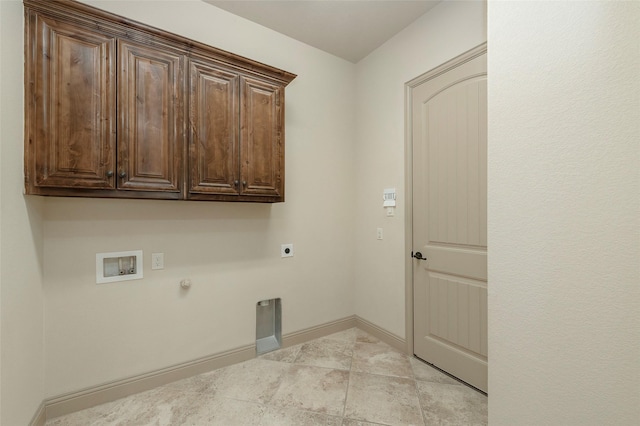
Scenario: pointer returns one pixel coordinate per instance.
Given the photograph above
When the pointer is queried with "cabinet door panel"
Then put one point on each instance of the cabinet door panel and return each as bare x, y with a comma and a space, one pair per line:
213, 131
261, 149
72, 98
151, 131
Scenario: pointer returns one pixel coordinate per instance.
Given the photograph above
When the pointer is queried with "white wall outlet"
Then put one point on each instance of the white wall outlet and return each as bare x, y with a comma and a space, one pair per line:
286, 250
379, 233
157, 260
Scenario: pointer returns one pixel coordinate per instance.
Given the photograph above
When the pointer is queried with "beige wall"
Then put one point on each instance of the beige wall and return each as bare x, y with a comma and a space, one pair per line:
448, 30
564, 255
1, 115
563, 216
21, 293
231, 252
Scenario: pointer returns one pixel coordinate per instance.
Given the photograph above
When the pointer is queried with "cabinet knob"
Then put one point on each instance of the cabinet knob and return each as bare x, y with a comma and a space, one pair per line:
244, 183
236, 183
110, 173
122, 174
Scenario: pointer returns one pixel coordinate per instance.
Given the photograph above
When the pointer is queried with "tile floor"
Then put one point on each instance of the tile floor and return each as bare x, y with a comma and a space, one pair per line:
345, 379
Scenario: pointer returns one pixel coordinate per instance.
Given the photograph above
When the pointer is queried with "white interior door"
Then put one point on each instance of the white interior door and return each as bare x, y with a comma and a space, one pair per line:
449, 138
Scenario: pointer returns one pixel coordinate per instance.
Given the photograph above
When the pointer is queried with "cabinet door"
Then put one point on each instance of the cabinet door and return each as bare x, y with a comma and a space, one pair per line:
151, 127
213, 131
261, 147
71, 106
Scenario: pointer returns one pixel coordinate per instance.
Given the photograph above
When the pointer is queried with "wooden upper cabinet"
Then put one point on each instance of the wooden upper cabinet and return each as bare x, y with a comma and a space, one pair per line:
115, 108
213, 131
150, 131
235, 136
70, 106
262, 151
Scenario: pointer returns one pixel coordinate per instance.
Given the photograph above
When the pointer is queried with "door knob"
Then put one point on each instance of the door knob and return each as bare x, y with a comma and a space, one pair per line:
418, 256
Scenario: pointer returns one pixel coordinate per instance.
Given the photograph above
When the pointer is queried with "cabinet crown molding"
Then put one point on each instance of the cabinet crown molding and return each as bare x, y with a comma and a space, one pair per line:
119, 26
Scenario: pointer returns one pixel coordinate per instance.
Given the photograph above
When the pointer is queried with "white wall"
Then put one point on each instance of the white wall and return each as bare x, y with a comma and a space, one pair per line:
564, 247
231, 252
21, 293
446, 31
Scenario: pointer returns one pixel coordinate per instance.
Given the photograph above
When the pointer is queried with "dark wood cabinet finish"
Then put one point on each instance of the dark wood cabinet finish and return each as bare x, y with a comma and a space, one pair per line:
115, 108
150, 133
236, 134
71, 107
213, 132
261, 152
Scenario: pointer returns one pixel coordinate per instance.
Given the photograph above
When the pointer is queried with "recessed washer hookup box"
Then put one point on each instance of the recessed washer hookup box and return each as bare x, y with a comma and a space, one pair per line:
268, 326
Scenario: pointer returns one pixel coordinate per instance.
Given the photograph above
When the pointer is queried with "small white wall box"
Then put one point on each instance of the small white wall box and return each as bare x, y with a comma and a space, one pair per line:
389, 197
118, 266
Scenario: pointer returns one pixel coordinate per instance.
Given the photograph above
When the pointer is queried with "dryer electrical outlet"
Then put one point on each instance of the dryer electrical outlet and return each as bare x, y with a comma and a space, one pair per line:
286, 250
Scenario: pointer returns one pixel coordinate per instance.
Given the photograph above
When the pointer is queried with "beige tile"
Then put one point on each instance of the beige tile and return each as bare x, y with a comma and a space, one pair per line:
348, 335
216, 411
160, 406
316, 389
364, 337
294, 386
196, 384
276, 416
79, 418
283, 355
380, 359
422, 371
382, 399
326, 353
352, 422
452, 404
255, 380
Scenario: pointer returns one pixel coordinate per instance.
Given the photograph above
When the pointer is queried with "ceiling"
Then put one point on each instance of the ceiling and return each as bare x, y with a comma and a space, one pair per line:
348, 29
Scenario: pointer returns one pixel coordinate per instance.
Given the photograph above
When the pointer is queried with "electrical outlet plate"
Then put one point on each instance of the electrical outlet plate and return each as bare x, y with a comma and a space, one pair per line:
286, 250
157, 260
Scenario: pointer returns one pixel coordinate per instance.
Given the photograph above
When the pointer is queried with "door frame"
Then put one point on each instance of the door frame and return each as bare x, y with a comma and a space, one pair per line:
408, 178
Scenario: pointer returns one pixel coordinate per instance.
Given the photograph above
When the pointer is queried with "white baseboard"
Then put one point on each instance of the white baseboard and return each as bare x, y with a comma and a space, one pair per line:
107, 392
39, 419
302, 336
